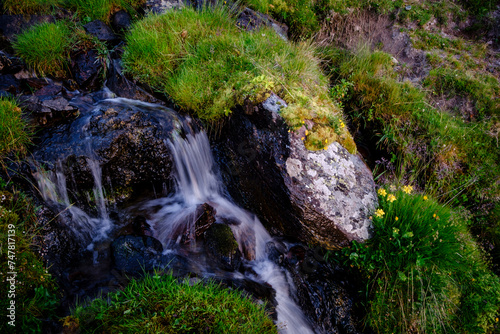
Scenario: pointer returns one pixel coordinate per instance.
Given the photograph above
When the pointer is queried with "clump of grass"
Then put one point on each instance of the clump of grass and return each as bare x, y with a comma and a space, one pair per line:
14, 132
35, 293
208, 66
162, 304
101, 9
425, 272
45, 47
30, 6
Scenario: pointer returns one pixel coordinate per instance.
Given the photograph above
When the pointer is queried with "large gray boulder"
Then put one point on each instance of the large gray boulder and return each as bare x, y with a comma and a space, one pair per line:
321, 197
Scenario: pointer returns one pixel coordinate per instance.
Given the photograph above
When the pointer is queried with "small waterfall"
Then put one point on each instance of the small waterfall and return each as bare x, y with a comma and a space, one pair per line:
197, 183
52, 186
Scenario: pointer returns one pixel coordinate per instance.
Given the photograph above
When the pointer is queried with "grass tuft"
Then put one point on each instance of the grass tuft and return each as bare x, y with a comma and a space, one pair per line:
45, 47
89, 10
14, 132
162, 304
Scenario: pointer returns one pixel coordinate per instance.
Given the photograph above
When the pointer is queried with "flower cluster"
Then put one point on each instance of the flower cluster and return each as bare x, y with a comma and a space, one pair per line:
408, 189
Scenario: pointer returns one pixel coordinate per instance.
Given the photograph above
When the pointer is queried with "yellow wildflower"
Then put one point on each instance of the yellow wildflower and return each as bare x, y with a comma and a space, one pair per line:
342, 125
379, 213
306, 133
302, 138
425, 198
434, 215
391, 198
382, 192
408, 189
326, 140
396, 219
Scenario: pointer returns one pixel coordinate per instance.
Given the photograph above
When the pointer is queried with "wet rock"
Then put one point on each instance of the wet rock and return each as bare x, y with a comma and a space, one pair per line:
222, 247
134, 254
100, 30
141, 226
88, 70
121, 21
204, 217
48, 109
9, 84
251, 20
324, 292
12, 25
322, 197
123, 87
10, 64
125, 139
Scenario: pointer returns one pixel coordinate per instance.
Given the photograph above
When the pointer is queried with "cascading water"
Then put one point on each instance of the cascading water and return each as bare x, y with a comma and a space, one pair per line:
52, 186
197, 183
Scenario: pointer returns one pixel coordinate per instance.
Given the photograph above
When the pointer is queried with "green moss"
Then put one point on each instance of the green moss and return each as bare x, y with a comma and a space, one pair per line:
162, 304
221, 236
14, 132
208, 66
35, 290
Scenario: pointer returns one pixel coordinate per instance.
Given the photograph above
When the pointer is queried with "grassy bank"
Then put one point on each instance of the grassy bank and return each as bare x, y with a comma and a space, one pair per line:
162, 304
208, 67
14, 131
424, 272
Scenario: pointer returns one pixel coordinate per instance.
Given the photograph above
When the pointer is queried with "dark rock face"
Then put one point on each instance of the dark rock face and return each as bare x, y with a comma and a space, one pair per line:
9, 85
127, 139
320, 197
221, 246
123, 87
133, 254
87, 70
100, 30
12, 25
9, 64
251, 20
48, 109
322, 289
120, 21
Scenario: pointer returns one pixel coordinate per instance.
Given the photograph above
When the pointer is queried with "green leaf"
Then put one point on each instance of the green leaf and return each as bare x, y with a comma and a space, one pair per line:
402, 276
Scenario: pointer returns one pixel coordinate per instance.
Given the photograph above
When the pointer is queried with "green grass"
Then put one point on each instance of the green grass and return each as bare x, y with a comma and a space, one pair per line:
424, 272
14, 132
101, 9
45, 47
30, 6
209, 67
162, 304
437, 150
35, 289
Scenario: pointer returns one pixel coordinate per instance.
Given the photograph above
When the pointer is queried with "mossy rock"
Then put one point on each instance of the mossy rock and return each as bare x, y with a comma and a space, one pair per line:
222, 246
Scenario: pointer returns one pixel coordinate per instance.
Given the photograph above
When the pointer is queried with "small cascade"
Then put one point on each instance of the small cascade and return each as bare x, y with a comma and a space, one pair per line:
52, 186
197, 183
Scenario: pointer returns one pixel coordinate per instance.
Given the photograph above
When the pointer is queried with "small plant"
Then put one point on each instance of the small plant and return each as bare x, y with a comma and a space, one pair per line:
162, 304
45, 47
425, 273
14, 132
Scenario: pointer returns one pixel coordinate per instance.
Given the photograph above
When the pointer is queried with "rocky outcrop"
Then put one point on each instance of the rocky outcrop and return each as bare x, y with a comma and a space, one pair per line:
127, 139
325, 292
324, 197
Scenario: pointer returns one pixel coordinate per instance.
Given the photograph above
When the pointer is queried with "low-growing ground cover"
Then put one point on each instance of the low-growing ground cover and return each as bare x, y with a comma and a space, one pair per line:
161, 304
14, 132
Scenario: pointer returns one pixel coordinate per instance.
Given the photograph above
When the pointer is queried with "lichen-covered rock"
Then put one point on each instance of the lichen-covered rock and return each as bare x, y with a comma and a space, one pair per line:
332, 189
323, 197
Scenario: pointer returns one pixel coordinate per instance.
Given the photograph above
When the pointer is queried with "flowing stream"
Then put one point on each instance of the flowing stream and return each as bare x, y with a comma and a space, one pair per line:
170, 217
